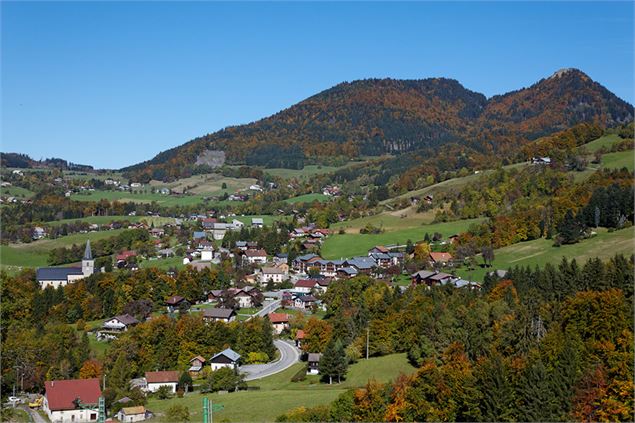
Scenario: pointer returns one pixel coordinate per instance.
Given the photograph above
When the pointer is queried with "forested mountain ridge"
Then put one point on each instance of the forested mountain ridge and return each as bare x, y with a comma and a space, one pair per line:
377, 116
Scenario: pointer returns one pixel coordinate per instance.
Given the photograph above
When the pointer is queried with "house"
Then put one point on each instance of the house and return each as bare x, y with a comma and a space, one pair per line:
208, 223
440, 259
328, 267
241, 245
299, 337
246, 297
281, 258
257, 222
431, 278
346, 272
255, 256
62, 276
169, 378
116, 325
158, 232
237, 224
199, 235
274, 274
219, 315
39, 232
196, 365
541, 160
378, 249
313, 364
124, 258
305, 301
226, 358
74, 400
287, 299
462, 283
363, 264
174, 302
301, 264
279, 321
305, 285
132, 414
255, 187
207, 254
421, 277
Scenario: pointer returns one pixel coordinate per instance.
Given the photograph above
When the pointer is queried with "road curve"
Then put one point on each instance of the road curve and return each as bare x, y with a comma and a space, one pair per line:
289, 355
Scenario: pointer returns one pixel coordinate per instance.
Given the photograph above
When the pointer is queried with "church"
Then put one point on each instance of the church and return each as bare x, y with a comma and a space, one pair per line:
61, 276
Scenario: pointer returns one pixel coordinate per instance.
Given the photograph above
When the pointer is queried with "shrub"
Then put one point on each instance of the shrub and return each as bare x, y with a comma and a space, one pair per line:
164, 392
177, 413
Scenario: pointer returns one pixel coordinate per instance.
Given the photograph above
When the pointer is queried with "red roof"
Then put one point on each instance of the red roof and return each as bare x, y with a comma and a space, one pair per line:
164, 376
278, 317
256, 253
299, 334
125, 255
174, 300
306, 283
60, 394
441, 257
381, 248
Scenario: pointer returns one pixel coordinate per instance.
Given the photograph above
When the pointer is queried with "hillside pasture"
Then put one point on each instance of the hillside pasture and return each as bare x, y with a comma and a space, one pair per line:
210, 184
618, 160
308, 198
539, 252
351, 244
13, 191
143, 197
102, 220
276, 394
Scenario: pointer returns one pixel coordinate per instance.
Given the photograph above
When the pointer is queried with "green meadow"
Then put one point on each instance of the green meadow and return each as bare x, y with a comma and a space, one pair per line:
276, 394
539, 252
308, 198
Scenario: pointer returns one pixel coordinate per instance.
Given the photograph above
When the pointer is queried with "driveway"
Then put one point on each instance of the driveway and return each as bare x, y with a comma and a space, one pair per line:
289, 355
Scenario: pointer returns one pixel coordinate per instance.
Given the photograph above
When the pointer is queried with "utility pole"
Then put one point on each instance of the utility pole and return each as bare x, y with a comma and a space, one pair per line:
367, 338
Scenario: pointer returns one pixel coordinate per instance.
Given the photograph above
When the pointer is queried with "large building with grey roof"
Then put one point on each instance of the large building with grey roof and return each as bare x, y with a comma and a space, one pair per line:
62, 276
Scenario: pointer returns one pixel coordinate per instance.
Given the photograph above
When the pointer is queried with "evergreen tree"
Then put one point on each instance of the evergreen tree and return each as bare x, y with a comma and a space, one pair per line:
333, 362
119, 374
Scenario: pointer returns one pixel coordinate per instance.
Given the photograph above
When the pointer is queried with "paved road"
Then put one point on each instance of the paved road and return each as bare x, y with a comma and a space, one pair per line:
289, 355
35, 416
267, 307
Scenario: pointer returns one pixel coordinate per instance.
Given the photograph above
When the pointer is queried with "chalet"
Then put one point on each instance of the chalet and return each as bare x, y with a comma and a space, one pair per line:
133, 414
196, 365
158, 232
255, 256
38, 232
421, 277
305, 301
346, 272
214, 295
382, 260
155, 380
174, 302
124, 258
208, 223
252, 245
241, 245
362, 264
257, 222
74, 400
431, 278
440, 259
302, 263
287, 299
329, 267
462, 283
274, 274
62, 276
219, 230
226, 358
279, 321
323, 284
305, 286
313, 364
378, 249
116, 325
219, 315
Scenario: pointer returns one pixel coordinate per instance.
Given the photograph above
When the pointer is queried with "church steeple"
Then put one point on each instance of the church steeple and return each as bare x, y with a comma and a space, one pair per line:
88, 264
88, 254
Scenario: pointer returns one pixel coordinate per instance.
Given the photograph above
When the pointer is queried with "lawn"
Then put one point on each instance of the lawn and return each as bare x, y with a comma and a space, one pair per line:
348, 245
276, 394
308, 198
130, 197
210, 184
619, 160
13, 191
101, 220
389, 220
541, 251
163, 263
35, 254
604, 141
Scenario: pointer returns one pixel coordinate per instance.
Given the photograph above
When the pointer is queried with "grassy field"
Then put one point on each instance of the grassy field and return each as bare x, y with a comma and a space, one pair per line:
129, 197
605, 141
308, 198
619, 160
266, 218
541, 251
13, 191
35, 254
163, 263
348, 245
277, 394
100, 220
389, 220
210, 184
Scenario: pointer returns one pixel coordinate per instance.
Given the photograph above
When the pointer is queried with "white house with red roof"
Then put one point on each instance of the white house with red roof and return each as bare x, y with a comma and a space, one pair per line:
255, 256
75, 400
156, 380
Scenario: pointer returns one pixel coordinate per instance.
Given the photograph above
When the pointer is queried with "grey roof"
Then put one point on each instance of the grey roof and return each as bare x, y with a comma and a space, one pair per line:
362, 262
462, 283
88, 254
380, 256
305, 298
56, 273
229, 353
348, 270
257, 220
241, 243
314, 357
306, 257
423, 274
199, 234
218, 313
439, 276
282, 255
126, 319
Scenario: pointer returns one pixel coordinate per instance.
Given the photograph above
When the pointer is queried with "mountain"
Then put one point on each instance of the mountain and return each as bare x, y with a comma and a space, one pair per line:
378, 116
24, 161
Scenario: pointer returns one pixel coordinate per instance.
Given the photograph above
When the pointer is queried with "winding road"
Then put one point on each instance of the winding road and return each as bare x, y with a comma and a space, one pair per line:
289, 355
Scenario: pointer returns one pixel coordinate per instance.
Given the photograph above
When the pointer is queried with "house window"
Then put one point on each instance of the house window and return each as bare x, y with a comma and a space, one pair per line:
93, 416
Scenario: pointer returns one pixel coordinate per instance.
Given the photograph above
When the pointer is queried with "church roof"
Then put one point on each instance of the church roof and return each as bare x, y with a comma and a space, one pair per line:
88, 254
57, 273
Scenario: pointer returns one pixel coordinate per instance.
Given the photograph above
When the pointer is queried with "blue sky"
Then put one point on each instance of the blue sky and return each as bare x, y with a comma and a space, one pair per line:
111, 84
